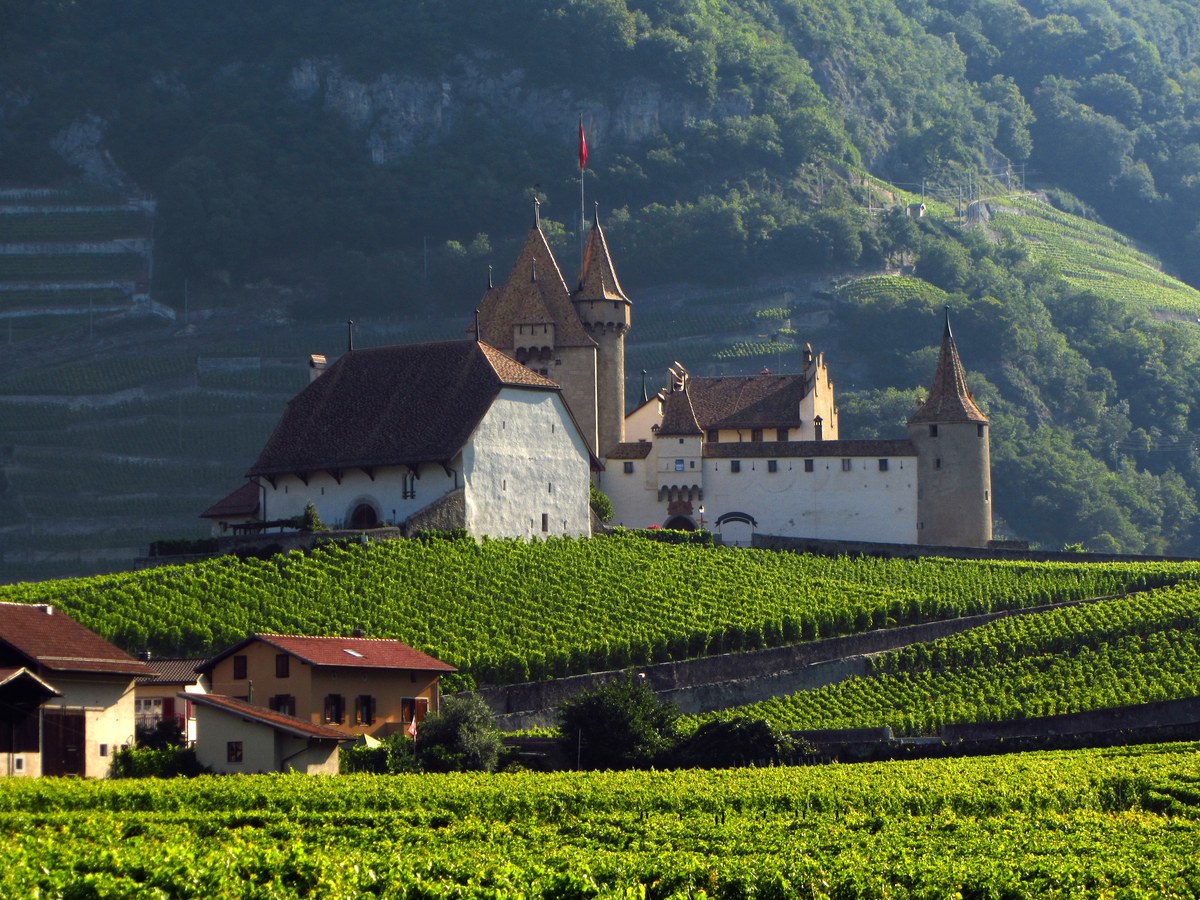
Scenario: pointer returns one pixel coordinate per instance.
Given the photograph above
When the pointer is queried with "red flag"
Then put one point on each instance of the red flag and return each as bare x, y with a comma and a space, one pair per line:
582, 146
412, 728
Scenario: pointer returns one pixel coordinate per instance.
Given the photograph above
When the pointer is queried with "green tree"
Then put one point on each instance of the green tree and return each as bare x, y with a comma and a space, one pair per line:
460, 738
619, 725
599, 503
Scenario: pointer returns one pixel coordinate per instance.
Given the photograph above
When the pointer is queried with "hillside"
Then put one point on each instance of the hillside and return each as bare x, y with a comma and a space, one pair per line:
317, 163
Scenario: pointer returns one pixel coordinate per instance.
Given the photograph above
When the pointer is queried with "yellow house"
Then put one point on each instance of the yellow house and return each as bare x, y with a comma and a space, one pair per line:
351, 684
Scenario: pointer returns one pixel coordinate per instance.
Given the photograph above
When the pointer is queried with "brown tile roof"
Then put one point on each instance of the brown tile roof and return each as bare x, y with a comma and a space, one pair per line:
397, 405
51, 641
172, 671
242, 502
748, 401
597, 276
808, 449
630, 450
949, 399
343, 652
535, 292
679, 414
264, 716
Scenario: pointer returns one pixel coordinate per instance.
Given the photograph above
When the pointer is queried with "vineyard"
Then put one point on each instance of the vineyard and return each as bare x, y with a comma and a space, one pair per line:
888, 289
509, 611
1042, 825
1125, 650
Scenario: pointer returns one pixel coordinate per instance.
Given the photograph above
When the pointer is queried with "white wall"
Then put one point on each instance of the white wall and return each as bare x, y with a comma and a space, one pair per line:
634, 496
108, 715
526, 459
335, 502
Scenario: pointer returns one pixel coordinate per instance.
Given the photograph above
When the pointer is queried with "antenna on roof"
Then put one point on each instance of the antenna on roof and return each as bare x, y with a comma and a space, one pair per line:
349, 335
490, 285
537, 213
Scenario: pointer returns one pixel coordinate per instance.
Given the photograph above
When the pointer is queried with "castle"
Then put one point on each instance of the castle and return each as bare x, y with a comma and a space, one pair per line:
744, 454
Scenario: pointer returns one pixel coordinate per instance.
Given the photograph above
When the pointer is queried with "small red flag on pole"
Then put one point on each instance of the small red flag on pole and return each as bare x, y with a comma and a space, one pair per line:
582, 146
412, 727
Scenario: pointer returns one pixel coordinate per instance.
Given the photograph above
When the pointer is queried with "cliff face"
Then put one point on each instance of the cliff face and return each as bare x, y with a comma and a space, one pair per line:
398, 113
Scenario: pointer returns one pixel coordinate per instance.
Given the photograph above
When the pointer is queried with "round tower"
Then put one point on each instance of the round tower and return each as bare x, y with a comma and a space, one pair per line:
954, 468
605, 313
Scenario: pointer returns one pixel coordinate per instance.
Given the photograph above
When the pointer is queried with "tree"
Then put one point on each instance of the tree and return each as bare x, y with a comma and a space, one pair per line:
599, 503
737, 742
461, 738
618, 725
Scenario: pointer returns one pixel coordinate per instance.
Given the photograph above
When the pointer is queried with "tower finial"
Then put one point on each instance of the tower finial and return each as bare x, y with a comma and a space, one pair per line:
478, 336
490, 285
645, 396
596, 212
349, 335
947, 333
537, 213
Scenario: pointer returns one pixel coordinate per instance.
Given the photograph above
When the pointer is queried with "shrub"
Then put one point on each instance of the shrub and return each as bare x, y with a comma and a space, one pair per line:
147, 762
460, 738
618, 725
391, 756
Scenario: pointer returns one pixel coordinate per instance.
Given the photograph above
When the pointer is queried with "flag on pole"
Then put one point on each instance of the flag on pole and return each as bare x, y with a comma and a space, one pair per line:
582, 145
412, 727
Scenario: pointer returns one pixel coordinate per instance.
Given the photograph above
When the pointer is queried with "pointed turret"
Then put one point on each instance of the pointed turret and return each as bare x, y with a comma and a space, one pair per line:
954, 474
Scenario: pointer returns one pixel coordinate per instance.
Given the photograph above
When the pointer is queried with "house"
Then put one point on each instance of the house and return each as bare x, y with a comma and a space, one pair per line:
424, 436
22, 695
353, 685
91, 712
241, 507
157, 695
762, 453
235, 737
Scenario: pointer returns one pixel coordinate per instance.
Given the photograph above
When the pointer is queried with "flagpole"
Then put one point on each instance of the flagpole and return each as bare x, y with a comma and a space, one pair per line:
582, 169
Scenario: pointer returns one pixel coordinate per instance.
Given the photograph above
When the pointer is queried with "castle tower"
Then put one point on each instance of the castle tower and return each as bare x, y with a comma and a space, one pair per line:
954, 470
604, 310
531, 319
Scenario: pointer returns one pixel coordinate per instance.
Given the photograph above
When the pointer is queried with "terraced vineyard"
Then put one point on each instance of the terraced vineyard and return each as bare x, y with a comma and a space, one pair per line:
889, 289
1044, 825
1127, 650
509, 611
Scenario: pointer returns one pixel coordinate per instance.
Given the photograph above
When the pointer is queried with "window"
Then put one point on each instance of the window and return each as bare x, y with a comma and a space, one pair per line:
979, 430
937, 463
629, 467
933, 431
409, 488
364, 710
104, 749
735, 465
781, 434
847, 465
691, 464
679, 465
883, 465
808, 465
283, 703
818, 429
714, 436
233, 751
239, 667
335, 708
545, 521
756, 435
772, 465
283, 665
549, 487
681, 440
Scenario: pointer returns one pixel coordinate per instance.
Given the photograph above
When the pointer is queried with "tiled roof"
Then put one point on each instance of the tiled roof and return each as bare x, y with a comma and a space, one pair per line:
242, 502
276, 720
52, 641
748, 401
392, 406
597, 277
631, 450
13, 677
679, 415
949, 399
535, 292
343, 652
172, 671
808, 449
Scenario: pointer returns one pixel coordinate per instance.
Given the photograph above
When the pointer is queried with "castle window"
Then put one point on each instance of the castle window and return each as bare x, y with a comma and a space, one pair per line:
883, 465
679, 465
847, 465
937, 463
410, 486
549, 487
629, 467
735, 465
818, 429
987, 496
772, 465
781, 434
545, 521
808, 465
714, 436
979, 430
681, 440
691, 464
933, 431
756, 435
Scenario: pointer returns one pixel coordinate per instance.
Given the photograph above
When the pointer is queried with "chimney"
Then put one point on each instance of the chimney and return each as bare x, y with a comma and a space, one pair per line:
316, 365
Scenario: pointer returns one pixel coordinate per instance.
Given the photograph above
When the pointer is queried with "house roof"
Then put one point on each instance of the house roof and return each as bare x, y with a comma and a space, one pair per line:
748, 401
242, 502
172, 671
630, 450
19, 681
808, 449
597, 276
949, 399
52, 641
262, 715
679, 414
342, 652
535, 292
399, 405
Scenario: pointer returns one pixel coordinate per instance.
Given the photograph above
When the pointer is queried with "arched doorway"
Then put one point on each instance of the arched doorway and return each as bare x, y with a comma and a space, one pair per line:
680, 523
364, 516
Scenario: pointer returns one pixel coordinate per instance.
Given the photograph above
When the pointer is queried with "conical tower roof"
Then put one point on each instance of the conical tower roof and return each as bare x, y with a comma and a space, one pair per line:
535, 292
949, 399
597, 276
679, 416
